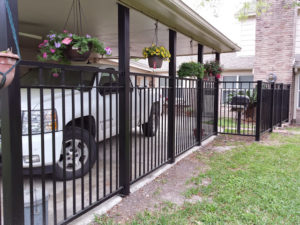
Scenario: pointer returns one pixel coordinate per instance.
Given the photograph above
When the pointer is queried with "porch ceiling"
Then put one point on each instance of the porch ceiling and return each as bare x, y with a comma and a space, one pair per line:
101, 20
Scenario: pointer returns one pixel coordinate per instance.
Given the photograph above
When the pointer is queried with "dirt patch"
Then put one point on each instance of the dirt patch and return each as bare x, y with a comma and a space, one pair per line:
171, 186
168, 187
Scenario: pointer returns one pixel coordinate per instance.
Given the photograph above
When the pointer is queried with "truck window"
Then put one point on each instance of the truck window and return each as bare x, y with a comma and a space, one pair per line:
108, 80
70, 79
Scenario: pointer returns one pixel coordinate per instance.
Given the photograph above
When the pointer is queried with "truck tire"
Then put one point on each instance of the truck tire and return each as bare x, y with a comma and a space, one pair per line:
150, 128
85, 159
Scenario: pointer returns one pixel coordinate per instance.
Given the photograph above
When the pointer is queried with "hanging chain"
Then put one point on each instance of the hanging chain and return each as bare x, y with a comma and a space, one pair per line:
78, 15
155, 34
192, 50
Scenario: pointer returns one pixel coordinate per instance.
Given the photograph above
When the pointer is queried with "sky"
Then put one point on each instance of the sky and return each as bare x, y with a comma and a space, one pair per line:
222, 17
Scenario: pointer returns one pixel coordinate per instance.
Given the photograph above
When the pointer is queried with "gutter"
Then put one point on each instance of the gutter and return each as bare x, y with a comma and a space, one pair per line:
187, 22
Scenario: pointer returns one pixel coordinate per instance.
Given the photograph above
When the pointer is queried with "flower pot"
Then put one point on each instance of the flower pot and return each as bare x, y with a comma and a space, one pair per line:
7, 60
155, 61
72, 54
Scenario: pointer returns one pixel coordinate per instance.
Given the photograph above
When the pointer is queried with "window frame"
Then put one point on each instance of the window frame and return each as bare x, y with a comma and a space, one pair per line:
236, 86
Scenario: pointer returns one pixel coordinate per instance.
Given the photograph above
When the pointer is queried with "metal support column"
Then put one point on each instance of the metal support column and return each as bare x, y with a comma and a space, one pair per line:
258, 110
124, 113
199, 98
216, 99
12, 168
171, 96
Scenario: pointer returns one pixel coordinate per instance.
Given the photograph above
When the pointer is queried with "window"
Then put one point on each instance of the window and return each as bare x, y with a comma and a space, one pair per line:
232, 85
108, 80
70, 78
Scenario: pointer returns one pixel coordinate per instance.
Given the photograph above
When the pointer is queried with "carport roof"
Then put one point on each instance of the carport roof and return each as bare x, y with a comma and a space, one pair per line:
37, 18
176, 15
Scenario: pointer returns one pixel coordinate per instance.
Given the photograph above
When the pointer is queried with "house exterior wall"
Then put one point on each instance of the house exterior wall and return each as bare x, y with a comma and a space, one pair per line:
247, 37
297, 44
275, 41
275, 44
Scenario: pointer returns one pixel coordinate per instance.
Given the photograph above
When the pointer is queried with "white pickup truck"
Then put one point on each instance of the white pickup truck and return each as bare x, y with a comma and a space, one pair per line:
76, 148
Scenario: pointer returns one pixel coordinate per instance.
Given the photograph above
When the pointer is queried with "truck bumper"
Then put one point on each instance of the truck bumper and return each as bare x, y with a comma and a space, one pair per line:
42, 154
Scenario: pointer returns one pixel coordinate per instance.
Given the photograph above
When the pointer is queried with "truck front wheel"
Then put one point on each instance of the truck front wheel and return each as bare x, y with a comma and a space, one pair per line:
150, 128
78, 154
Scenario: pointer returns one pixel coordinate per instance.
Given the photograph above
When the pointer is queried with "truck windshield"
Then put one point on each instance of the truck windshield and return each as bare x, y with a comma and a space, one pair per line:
55, 78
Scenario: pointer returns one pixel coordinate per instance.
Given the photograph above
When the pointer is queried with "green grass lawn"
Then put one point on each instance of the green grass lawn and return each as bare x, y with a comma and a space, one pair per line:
252, 184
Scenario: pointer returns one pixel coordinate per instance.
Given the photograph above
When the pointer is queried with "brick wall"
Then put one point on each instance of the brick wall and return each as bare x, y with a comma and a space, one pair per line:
275, 44
275, 40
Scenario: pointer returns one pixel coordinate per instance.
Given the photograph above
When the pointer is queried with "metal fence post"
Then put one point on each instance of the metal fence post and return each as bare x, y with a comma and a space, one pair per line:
199, 98
124, 113
12, 168
258, 110
272, 107
281, 104
171, 96
289, 95
216, 99
216, 106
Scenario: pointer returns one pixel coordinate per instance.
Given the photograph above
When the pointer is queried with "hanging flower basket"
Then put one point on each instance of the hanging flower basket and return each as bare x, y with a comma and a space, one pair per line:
191, 69
156, 55
155, 61
212, 70
65, 47
7, 60
73, 53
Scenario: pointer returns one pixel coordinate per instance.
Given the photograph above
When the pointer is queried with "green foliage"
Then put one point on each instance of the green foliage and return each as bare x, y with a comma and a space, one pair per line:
191, 69
213, 68
54, 45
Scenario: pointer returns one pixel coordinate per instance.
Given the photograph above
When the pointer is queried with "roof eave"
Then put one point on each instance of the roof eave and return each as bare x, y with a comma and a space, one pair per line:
191, 24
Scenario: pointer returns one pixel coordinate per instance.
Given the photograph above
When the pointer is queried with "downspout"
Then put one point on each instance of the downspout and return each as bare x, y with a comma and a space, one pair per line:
295, 71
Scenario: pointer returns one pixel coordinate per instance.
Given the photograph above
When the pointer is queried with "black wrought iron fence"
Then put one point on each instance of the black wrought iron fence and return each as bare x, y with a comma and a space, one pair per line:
208, 109
252, 108
237, 114
70, 139
72, 131
185, 114
285, 102
149, 123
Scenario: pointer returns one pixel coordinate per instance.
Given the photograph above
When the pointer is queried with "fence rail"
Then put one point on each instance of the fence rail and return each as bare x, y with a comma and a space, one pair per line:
71, 129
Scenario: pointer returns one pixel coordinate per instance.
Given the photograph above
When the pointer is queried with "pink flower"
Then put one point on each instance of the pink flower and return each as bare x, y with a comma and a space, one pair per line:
108, 51
45, 55
65, 31
41, 45
52, 50
46, 41
67, 41
218, 76
55, 75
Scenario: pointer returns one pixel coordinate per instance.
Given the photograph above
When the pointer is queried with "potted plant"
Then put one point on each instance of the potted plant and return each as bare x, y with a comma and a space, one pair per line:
156, 55
191, 69
212, 69
65, 47
250, 112
7, 62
